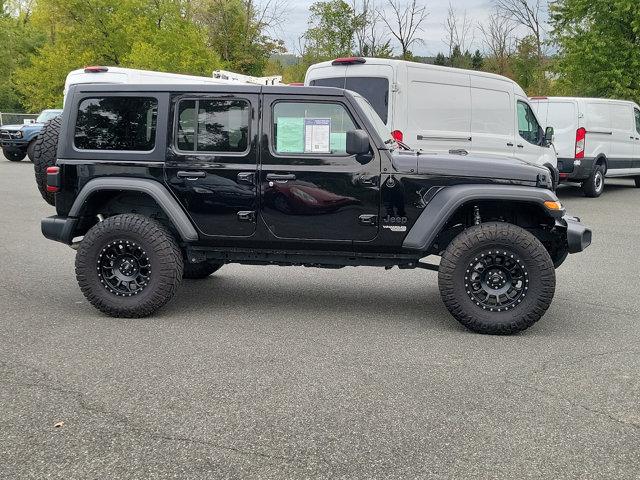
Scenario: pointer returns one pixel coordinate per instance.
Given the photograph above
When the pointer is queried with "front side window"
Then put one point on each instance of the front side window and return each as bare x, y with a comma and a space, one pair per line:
116, 123
528, 125
220, 126
637, 114
305, 127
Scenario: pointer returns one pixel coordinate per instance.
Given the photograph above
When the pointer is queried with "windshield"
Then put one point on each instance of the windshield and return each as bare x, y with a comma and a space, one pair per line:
374, 118
48, 115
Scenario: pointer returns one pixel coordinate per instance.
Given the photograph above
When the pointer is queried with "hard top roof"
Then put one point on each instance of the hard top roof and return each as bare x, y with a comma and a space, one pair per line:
206, 88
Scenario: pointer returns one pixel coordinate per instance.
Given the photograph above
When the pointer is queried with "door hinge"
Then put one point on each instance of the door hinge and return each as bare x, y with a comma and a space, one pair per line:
370, 220
247, 216
395, 87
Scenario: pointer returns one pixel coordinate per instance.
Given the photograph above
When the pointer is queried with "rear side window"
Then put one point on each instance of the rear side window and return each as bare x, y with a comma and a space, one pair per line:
116, 123
374, 89
220, 126
636, 112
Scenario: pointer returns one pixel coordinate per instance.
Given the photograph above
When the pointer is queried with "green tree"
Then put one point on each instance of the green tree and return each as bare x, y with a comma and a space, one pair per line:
477, 61
441, 60
332, 27
237, 30
149, 34
599, 47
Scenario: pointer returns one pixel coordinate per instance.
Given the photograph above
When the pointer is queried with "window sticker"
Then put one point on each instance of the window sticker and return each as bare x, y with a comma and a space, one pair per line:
290, 135
317, 135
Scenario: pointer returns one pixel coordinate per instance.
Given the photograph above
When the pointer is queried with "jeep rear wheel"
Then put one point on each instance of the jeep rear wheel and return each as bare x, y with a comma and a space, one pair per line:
129, 266
594, 185
496, 278
44, 156
198, 271
14, 155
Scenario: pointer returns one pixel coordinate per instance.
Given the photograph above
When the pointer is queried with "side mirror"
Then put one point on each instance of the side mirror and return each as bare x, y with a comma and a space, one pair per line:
548, 135
358, 142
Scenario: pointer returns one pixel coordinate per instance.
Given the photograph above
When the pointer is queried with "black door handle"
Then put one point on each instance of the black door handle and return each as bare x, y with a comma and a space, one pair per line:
509, 144
279, 177
246, 177
520, 145
190, 175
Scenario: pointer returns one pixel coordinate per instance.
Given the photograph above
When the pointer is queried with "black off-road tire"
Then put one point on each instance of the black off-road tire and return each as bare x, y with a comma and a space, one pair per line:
31, 148
637, 180
199, 271
496, 237
44, 155
14, 155
594, 185
161, 251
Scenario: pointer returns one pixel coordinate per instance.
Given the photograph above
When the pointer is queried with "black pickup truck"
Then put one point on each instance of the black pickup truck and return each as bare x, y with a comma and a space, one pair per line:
153, 183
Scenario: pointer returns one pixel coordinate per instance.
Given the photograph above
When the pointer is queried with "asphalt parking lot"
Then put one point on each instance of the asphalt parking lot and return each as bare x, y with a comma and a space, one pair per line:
272, 372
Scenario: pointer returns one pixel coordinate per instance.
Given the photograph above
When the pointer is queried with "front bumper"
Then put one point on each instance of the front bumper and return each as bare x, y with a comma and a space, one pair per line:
578, 235
59, 229
14, 144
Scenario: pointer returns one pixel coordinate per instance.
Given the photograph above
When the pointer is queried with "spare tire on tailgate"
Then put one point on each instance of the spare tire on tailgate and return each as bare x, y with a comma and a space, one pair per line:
45, 152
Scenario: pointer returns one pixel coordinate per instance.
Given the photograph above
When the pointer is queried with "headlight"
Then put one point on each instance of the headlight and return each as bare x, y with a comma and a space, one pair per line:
18, 134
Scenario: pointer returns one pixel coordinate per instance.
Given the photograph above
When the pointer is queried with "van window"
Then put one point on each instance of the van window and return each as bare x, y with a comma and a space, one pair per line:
440, 108
374, 89
116, 123
562, 115
621, 117
305, 127
528, 125
598, 116
491, 112
220, 126
637, 115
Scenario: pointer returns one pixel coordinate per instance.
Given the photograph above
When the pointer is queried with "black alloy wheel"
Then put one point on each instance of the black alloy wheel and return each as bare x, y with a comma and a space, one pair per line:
124, 268
496, 280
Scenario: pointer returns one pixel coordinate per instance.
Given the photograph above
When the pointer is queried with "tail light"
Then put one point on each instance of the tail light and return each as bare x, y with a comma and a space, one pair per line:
348, 61
581, 135
53, 179
397, 135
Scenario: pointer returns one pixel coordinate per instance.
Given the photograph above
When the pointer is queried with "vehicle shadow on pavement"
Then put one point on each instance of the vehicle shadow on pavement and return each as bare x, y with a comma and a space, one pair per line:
259, 297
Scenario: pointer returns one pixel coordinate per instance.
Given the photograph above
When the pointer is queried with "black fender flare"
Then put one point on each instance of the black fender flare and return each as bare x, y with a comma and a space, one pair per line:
447, 201
154, 189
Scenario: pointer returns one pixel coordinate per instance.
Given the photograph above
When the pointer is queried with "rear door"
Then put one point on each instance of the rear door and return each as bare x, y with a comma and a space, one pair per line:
563, 117
310, 188
636, 163
212, 161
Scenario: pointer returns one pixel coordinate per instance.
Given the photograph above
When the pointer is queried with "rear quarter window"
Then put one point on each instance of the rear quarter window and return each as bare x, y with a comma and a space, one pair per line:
374, 89
116, 123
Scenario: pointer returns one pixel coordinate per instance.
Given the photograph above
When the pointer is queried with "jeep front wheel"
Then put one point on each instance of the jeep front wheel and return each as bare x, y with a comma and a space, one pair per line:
129, 266
496, 278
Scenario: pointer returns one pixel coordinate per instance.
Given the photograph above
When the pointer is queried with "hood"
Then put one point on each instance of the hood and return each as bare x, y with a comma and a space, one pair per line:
450, 165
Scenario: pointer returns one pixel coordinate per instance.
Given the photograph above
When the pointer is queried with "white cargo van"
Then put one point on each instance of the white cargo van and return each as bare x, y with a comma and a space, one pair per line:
101, 74
440, 109
595, 138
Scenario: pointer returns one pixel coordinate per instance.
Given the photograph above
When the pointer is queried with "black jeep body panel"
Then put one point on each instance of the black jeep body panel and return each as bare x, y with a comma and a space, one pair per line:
259, 205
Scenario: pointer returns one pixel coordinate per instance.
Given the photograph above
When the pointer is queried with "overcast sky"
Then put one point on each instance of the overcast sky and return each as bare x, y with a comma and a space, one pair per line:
477, 10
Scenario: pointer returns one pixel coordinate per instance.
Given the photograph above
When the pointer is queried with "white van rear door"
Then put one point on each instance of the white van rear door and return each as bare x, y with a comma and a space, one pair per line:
439, 110
492, 125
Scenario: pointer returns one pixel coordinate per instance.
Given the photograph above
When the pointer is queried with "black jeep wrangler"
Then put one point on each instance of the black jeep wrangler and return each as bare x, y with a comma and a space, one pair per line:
156, 183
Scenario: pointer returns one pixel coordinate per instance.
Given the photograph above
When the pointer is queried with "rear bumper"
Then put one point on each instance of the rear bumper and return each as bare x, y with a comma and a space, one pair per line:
572, 170
59, 229
578, 235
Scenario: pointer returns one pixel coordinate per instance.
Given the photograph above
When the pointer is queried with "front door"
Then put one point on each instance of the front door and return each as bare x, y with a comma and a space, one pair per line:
212, 162
530, 135
310, 188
